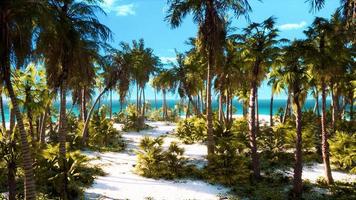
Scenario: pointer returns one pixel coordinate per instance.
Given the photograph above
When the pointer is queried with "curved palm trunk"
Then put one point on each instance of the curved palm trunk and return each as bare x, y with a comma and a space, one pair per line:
324, 137
298, 167
252, 132
30, 189
208, 109
86, 124
29, 185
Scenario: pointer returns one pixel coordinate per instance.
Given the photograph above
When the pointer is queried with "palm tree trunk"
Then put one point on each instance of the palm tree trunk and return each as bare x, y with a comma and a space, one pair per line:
11, 178
155, 91
285, 114
271, 110
164, 109
62, 138
30, 188
143, 103
209, 116
221, 114
252, 132
230, 108
83, 104
137, 100
324, 137
110, 104
187, 114
3, 120
12, 120
43, 127
298, 167
257, 113
29, 185
87, 120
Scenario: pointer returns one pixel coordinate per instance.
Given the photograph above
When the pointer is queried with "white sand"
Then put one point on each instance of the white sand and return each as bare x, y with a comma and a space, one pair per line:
316, 170
122, 183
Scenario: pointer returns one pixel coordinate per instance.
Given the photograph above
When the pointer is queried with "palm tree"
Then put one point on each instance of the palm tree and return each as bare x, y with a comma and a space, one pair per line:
294, 74
70, 24
16, 24
209, 16
347, 7
258, 45
276, 86
320, 57
163, 82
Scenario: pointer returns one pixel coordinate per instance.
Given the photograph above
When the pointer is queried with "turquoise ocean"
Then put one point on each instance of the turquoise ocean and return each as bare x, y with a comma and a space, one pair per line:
263, 105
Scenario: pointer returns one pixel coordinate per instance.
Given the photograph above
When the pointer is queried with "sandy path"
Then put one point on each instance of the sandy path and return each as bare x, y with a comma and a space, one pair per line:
122, 183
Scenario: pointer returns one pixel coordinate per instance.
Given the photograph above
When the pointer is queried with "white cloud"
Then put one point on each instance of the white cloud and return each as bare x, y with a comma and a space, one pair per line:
120, 10
167, 60
125, 10
292, 26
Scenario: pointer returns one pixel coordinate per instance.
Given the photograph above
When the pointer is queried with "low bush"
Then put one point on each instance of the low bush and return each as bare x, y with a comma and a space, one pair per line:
50, 175
103, 135
191, 130
227, 166
343, 151
155, 162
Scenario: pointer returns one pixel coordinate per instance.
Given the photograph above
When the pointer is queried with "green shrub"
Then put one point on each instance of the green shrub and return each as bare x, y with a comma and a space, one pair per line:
119, 117
49, 173
155, 162
227, 166
191, 130
133, 121
103, 135
343, 151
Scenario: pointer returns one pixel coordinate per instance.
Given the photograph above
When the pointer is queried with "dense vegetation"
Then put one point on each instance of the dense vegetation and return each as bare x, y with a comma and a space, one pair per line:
52, 48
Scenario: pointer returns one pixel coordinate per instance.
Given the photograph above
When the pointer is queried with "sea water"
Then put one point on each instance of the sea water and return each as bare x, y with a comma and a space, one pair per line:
263, 105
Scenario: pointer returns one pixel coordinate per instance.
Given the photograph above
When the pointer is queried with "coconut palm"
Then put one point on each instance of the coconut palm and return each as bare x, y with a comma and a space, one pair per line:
209, 16
70, 24
294, 74
258, 45
320, 57
16, 24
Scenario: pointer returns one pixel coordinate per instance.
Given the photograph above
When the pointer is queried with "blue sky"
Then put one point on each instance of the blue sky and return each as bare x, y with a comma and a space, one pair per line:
135, 19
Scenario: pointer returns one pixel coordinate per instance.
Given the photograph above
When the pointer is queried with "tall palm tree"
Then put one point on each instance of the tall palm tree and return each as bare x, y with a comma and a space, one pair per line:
209, 16
16, 28
320, 57
70, 23
294, 74
258, 44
